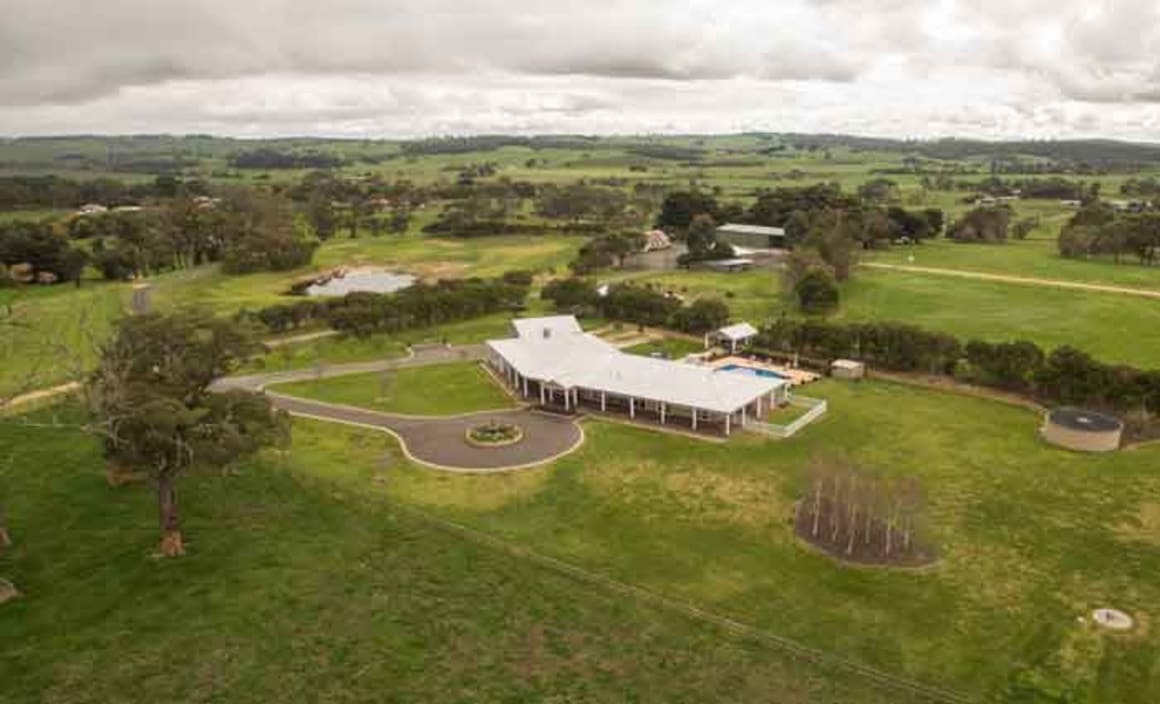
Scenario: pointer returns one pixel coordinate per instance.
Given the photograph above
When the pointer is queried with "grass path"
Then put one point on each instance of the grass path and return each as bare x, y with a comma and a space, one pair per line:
1009, 279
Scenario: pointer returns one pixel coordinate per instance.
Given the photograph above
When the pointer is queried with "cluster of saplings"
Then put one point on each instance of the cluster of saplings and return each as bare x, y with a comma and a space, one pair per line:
419, 306
862, 517
1065, 375
643, 305
1099, 230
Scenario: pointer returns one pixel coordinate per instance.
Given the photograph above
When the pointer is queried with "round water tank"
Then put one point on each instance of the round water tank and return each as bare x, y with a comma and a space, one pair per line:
1082, 430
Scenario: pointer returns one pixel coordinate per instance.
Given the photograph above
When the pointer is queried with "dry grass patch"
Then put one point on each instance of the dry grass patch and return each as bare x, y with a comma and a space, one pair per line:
693, 492
477, 493
1144, 527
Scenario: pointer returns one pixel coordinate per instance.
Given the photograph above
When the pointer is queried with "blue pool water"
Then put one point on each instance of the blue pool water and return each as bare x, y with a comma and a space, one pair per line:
751, 371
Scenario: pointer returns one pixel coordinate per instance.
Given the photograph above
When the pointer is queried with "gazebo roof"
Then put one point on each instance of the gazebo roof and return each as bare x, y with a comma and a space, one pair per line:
739, 331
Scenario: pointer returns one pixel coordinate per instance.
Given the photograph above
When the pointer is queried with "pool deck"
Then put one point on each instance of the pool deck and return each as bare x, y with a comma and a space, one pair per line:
797, 377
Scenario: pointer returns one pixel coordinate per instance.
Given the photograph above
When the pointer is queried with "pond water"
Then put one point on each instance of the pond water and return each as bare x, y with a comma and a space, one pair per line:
369, 281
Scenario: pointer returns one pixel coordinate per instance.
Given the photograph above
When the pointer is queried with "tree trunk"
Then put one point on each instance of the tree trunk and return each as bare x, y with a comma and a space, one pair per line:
171, 543
818, 486
5, 541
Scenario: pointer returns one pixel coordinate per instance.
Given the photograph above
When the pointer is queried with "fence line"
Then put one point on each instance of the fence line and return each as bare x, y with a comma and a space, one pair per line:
817, 408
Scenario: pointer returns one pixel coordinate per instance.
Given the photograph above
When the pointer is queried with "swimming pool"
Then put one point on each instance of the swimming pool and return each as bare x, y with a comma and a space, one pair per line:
751, 371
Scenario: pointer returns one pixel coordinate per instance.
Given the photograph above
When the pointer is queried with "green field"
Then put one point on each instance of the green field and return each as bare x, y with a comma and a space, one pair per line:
1030, 537
304, 583
328, 571
439, 390
298, 559
1112, 327
50, 334
1034, 258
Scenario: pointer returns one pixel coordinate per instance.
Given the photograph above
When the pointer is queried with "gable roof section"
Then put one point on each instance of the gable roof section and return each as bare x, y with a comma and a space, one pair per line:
553, 324
579, 359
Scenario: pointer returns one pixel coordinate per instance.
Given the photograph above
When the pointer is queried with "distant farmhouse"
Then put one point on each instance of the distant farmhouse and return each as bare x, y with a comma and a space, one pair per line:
566, 369
753, 236
656, 240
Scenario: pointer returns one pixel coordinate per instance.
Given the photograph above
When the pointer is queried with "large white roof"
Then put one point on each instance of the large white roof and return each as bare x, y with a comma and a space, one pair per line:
577, 359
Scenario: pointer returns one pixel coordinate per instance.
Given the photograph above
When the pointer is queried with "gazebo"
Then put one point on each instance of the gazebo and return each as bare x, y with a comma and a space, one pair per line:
732, 336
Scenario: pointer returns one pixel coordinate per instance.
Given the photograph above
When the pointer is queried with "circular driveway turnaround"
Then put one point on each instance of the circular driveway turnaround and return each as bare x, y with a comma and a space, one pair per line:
441, 442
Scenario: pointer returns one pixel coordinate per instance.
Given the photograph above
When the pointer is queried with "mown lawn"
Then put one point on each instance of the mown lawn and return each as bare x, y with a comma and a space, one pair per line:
1031, 538
670, 347
438, 390
300, 585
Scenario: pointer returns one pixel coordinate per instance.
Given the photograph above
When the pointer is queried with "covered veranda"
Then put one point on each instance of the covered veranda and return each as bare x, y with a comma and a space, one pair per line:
556, 398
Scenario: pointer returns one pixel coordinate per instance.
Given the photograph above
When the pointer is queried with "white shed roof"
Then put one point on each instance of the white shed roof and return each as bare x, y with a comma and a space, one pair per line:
752, 229
577, 359
740, 331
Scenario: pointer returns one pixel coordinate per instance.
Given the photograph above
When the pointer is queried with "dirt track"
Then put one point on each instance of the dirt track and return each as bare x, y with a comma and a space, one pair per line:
1024, 280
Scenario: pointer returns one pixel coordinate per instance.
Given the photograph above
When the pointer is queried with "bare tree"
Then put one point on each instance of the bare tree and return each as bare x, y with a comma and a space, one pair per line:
852, 517
819, 473
910, 503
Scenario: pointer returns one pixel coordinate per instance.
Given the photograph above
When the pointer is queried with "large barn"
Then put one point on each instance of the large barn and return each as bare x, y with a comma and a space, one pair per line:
753, 236
553, 362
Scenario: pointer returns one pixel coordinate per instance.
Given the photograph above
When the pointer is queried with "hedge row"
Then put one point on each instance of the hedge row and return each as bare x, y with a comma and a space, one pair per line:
1065, 375
421, 305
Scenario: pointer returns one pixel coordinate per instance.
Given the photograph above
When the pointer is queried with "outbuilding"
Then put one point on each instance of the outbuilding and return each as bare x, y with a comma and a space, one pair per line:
847, 369
753, 236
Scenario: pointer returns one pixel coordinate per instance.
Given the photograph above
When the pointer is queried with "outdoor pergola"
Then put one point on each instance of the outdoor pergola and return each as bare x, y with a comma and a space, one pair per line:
551, 360
731, 336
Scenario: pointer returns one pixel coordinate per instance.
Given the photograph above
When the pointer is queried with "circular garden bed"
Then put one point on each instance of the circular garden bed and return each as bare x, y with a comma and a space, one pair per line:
494, 434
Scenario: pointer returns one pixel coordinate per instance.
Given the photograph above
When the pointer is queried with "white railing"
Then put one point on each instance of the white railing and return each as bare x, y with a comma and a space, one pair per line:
817, 408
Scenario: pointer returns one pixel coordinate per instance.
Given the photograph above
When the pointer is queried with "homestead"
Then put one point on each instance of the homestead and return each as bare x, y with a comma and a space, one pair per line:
555, 362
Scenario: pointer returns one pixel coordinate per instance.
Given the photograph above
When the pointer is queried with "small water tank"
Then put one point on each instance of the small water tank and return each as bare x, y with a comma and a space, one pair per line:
1082, 430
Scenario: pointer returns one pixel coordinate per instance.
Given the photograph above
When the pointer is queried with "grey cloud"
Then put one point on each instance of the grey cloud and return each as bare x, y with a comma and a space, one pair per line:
52, 55
376, 67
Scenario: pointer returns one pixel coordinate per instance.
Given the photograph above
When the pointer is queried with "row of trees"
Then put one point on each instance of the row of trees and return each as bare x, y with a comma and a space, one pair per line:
643, 305
58, 193
605, 251
1099, 230
1065, 375
803, 210
245, 230
421, 305
38, 252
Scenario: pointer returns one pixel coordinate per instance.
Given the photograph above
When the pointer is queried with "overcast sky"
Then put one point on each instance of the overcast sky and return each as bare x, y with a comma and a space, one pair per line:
402, 68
